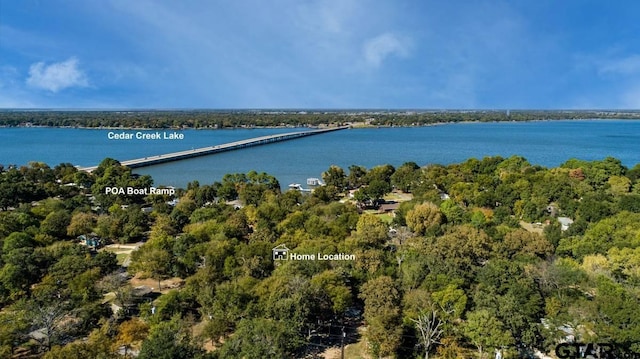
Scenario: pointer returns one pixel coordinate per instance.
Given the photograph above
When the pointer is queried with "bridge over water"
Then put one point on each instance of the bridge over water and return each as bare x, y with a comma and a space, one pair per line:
257, 141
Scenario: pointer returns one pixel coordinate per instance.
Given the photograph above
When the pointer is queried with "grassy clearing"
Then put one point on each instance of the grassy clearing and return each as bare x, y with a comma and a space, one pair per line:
386, 217
121, 257
122, 251
356, 351
121, 254
532, 227
398, 196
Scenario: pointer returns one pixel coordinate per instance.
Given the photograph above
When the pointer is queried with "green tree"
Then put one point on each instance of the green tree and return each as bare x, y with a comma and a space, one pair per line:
618, 313
131, 333
594, 207
81, 224
630, 202
524, 244
511, 296
460, 252
153, 262
169, 340
236, 225
335, 177
14, 325
380, 173
451, 300
15, 241
21, 268
424, 219
134, 223
286, 298
331, 292
55, 224
513, 164
381, 303
406, 176
110, 173
452, 211
486, 332
377, 189
15, 221
226, 307
9, 194
262, 338
97, 346
82, 287
621, 230
619, 185
356, 177
371, 232
326, 194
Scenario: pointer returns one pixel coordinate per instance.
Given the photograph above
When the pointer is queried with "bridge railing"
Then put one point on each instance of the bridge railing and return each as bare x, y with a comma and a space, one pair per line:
203, 151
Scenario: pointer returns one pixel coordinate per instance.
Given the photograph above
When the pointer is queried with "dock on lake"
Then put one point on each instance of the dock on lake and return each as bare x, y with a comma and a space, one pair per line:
257, 141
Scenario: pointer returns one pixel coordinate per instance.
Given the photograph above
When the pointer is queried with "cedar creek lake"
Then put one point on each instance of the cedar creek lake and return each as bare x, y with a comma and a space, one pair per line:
546, 143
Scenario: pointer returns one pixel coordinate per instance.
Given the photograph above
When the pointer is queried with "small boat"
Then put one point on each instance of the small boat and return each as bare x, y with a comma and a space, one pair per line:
296, 186
314, 182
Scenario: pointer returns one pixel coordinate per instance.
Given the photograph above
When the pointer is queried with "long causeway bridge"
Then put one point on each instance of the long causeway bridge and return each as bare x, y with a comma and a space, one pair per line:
257, 141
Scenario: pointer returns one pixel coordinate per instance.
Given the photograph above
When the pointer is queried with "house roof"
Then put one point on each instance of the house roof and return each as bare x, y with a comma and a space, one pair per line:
387, 207
280, 246
565, 220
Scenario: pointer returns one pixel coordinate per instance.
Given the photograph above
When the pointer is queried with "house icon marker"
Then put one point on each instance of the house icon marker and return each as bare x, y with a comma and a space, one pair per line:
280, 252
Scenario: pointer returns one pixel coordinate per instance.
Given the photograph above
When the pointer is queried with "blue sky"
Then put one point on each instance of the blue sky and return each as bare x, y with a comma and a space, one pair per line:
549, 54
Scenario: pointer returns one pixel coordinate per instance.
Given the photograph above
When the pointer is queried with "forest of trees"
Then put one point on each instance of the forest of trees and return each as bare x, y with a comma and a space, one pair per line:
474, 261
247, 118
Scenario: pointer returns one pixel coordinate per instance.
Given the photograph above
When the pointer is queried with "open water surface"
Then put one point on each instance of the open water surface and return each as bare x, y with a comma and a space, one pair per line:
547, 143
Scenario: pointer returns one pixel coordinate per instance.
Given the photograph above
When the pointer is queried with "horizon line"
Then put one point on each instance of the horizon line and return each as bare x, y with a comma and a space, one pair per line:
302, 110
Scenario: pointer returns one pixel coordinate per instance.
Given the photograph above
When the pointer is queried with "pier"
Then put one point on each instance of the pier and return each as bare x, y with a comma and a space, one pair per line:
257, 141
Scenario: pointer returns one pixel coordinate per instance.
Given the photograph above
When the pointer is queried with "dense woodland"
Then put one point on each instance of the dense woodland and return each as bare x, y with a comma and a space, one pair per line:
244, 118
476, 261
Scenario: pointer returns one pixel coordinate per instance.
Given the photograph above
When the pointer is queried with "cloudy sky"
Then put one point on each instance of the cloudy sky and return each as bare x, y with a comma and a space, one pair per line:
395, 54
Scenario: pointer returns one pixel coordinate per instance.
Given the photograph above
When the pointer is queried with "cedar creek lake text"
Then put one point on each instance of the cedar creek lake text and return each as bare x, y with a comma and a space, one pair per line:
139, 135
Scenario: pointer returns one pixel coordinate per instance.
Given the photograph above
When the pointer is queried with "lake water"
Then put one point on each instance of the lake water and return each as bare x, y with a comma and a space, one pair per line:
547, 143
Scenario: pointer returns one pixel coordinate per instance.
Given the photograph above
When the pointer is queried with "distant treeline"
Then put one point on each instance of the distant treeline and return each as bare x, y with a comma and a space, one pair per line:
246, 118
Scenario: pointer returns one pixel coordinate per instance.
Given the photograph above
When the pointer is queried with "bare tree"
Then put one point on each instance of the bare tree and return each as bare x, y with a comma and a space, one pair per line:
50, 320
429, 326
118, 284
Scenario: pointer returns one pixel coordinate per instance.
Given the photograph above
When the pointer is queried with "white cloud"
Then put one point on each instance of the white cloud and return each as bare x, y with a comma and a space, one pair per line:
57, 76
377, 49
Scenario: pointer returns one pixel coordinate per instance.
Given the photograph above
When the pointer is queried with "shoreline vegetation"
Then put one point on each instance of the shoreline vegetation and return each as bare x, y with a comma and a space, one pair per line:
487, 255
218, 119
